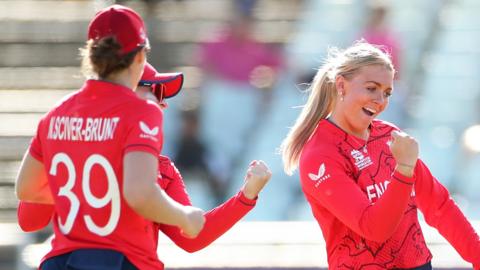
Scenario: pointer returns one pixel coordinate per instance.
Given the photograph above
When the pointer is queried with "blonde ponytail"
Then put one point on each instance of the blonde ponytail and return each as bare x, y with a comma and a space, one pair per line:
318, 106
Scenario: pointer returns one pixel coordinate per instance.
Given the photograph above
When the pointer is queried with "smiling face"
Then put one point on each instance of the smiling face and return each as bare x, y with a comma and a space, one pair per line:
365, 95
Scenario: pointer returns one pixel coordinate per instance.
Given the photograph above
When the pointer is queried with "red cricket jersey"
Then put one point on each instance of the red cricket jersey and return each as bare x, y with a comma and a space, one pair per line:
367, 211
82, 142
33, 216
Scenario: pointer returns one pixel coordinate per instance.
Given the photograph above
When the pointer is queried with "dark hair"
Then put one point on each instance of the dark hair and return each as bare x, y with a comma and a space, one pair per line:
103, 57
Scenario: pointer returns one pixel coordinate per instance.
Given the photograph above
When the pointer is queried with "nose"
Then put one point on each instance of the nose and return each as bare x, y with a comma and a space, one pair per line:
379, 97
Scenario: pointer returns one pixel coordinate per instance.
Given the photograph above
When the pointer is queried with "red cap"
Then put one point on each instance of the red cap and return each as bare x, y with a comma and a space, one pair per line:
123, 23
171, 82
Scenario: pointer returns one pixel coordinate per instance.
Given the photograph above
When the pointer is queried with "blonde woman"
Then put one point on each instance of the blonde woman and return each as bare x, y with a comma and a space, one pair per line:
362, 177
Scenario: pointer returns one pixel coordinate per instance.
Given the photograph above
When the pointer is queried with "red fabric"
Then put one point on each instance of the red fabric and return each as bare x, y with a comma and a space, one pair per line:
121, 22
442, 213
368, 212
171, 82
87, 134
218, 220
34, 216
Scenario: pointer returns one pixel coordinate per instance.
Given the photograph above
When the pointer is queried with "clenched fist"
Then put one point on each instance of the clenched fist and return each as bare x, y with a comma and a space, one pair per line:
404, 149
194, 222
257, 177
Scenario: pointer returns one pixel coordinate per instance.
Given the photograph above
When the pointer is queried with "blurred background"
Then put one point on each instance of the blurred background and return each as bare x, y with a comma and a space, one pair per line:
246, 65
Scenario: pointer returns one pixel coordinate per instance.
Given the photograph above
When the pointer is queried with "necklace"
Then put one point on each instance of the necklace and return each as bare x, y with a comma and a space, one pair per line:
363, 146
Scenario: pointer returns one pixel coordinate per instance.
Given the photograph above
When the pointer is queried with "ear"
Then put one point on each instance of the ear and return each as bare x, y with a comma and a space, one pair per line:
140, 57
340, 82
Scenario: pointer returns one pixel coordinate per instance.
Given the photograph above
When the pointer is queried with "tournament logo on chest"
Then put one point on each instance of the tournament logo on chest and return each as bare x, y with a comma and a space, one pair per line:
361, 160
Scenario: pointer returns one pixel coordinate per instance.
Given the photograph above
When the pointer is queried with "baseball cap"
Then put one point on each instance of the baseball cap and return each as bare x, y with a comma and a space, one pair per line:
123, 23
164, 85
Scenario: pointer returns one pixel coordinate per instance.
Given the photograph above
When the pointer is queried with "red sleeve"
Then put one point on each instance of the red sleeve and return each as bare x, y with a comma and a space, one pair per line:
326, 182
218, 220
34, 216
145, 131
442, 213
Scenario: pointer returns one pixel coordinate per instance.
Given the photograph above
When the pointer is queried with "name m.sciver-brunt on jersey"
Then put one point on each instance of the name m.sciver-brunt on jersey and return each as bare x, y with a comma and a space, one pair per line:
82, 129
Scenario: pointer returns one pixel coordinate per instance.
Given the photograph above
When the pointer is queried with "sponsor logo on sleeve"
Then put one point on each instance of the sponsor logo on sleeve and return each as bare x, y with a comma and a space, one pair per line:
319, 176
147, 132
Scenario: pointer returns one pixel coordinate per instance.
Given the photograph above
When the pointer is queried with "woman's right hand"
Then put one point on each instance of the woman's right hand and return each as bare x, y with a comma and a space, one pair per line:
404, 149
194, 222
258, 174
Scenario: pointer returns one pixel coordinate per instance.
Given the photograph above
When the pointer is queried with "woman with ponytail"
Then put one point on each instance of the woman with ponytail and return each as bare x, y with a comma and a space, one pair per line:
362, 176
94, 159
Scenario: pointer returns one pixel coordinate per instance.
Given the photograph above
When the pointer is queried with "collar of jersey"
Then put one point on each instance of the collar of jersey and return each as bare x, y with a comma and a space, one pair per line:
336, 130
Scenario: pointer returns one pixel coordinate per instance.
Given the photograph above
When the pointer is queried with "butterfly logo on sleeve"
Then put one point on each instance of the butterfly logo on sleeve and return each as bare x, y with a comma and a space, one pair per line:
147, 130
320, 175
321, 172
149, 133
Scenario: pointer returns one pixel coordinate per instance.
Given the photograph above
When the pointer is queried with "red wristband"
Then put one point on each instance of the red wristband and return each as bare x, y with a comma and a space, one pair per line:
245, 200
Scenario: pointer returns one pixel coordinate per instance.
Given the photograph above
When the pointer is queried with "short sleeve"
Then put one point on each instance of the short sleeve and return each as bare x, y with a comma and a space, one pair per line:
35, 149
145, 132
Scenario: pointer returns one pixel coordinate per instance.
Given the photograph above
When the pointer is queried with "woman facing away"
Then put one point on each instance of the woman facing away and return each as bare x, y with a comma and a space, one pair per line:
157, 87
95, 158
362, 177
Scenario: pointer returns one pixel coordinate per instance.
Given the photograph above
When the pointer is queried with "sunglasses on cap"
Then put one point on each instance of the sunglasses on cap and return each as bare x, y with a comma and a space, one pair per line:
158, 89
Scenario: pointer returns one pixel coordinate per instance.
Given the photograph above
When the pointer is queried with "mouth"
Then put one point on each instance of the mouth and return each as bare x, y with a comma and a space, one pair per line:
369, 111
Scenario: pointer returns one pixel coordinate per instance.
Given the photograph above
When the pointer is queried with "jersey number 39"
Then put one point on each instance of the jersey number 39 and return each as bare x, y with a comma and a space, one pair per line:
111, 196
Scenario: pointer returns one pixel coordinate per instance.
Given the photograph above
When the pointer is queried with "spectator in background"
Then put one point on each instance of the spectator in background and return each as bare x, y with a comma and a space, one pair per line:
193, 159
237, 68
235, 55
378, 32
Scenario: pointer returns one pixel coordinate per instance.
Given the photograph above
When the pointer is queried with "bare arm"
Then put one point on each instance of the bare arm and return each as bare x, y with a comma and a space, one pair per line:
31, 184
146, 197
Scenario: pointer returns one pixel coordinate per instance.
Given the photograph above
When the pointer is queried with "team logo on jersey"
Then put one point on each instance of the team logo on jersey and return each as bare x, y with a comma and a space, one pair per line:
149, 133
320, 176
361, 161
376, 190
